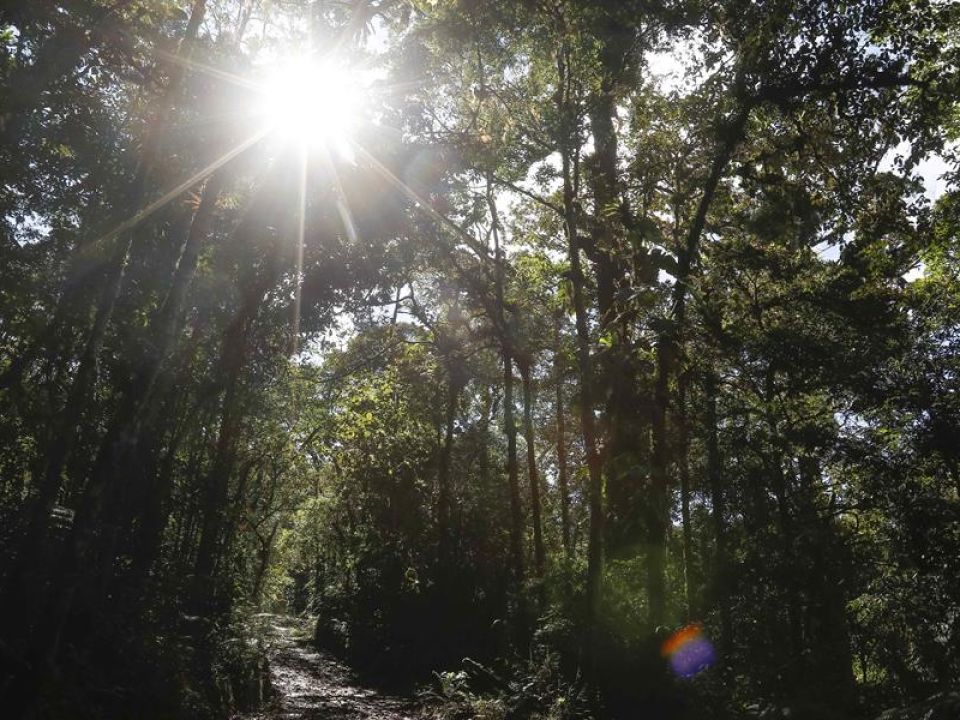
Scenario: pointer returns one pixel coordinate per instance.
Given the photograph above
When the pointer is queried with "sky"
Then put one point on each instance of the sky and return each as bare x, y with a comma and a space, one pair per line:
667, 68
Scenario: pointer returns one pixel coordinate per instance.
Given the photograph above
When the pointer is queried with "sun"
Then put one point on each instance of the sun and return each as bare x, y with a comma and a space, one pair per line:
313, 103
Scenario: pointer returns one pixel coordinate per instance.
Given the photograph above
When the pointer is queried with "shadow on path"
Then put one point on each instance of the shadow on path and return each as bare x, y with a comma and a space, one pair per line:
313, 685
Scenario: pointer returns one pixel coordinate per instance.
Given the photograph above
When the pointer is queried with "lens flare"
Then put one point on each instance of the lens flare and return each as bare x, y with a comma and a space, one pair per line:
689, 651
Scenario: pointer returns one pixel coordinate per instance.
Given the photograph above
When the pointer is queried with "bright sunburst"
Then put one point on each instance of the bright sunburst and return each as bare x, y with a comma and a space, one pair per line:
313, 103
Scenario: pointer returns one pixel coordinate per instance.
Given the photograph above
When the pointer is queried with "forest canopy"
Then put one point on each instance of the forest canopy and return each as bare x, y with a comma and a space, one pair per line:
552, 358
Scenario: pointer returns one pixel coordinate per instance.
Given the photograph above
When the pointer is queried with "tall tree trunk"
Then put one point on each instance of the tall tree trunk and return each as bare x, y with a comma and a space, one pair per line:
147, 537
562, 475
690, 571
625, 423
513, 480
569, 155
124, 431
658, 506
263, 564
539, 554
109, 507
486, 418
216, 485
785, 528
445, 536
67, 424
829, 641
165, 375
667, 353
721, 591
233, 354
604, 182
510, 426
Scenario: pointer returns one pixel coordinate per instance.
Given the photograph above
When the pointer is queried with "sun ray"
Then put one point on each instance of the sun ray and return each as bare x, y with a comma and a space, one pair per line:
301, 233
174, 192
209, 120
346, 216
213, 72
340, 198
422, 203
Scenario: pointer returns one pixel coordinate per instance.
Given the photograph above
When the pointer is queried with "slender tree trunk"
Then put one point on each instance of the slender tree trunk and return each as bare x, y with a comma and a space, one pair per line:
539, 554
445, 536
246, 12
718, 510
146, 544
124, 431
510, 426
108, 506
658, 505
485, 420
64, 436
562, 479
588, 425
829, 637
569, 151
216, 486
690, 573
148, 535
266, 550
234, 350
666, 364
786, 530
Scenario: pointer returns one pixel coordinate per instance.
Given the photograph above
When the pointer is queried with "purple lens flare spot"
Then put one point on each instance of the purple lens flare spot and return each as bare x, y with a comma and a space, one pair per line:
693, 657
689, 651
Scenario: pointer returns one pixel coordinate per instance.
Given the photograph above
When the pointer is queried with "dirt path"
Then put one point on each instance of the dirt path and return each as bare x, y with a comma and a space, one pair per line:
313, 685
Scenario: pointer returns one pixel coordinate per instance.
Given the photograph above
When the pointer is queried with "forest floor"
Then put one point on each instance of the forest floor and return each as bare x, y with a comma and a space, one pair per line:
310, 685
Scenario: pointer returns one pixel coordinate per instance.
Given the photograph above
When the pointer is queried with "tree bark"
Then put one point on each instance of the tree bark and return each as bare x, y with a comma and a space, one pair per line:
234, 350
829, 635
539, 553
124, 432
588, 426
717, 505
785, 525
64, 435
690, 572
562, 474
445, 536
658, 506
510, 426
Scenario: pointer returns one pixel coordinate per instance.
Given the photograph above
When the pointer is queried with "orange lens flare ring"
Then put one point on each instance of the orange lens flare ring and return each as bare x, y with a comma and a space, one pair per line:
689, 651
